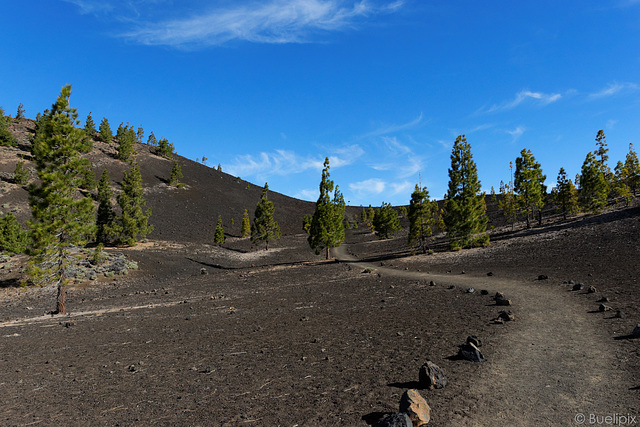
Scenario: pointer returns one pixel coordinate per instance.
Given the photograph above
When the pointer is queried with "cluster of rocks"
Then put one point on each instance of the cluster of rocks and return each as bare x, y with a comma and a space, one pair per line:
470, 350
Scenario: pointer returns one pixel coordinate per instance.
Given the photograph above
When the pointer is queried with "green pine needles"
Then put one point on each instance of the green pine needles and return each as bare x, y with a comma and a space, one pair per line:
6, 137
133, 224
465, 209
529, 186
422, 217
63, 218
326, 229
219, 236
264, 228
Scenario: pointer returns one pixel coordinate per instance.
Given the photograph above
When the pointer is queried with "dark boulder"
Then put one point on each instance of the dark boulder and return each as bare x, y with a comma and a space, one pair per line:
432, 376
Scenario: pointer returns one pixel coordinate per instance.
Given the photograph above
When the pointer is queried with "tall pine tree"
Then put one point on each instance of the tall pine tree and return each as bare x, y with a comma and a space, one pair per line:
529, 185
219, 236
327, 224
6, 137
106, 135
134, 220
90, 126
465, 209
593, 185
632, 166
264, 228
421, 214
386, 221
565, 195
63, 218
245, 230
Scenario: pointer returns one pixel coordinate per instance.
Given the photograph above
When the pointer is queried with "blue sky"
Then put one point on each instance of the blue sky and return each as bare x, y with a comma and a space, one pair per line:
269, 88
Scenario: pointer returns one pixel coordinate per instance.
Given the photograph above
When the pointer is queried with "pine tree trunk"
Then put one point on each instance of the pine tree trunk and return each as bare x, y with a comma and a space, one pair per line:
60, 307
328, 254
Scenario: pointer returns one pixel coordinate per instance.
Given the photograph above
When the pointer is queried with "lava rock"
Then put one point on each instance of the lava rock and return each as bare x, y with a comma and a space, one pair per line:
505, 316
636, 331
620, 314
414, 405
592, 290
395, 420
470, 290
604, 307
604, 299
432, 376
472, 339
543, 277
432, 283
484, 292
471, 353
578, 287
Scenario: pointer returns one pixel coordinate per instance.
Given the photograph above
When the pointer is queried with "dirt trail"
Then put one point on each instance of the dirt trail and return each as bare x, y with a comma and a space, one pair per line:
555, 363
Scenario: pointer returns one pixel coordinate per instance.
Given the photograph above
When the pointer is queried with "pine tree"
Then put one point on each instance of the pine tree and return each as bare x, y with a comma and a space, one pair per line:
63, 218
633, 170
89, 126
6, 137
619, 186
507, 203
106, 135
421, 215
126, 138
219, 237
245, 230
140, 134
593, 185
105, 215
565, 195
601, 153
152, 139
326, 230
20, 112
465, 209
134, 220
386, 221
13, 238
264, 227
164, 149
21, 174
529, 185
176, 175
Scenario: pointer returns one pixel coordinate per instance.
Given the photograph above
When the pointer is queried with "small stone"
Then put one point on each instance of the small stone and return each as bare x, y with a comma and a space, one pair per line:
503, 302
620, 314
578, 287
432, 283
132, 368
432, 376
470, 290
499, 296
571, 282
414, 405
604, 299
543, 277
636, 331
203, 271
490, 274
506, 316
604, 307
395, 420
592, 290
484, 292
472, 339
471, 353
452, 287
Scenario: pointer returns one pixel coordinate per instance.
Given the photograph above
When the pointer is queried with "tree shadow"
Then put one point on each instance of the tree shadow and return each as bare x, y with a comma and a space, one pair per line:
166, 181
626, 337
10, 283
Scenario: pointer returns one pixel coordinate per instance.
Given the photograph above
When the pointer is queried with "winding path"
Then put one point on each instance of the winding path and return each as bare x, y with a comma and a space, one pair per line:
556, 361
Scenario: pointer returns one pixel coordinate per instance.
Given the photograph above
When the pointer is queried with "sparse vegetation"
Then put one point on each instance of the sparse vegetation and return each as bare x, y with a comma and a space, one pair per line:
529, 186
105, 215
164, 149
106, 134
176, 175
62, 217
422, 212
326, 229
219, 236
21, 174
20, 112
245, 230
133, 223
465, 209
565, 195
13, 238
6, 137
126, 138
90, 126
386, 222
264, 228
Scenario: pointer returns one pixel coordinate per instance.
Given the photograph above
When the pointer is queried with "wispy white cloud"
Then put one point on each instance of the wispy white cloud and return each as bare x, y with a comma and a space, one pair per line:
521, 97
517, 132
272, 21
307, 194
287, 162
614, 89
394, 128
377, 186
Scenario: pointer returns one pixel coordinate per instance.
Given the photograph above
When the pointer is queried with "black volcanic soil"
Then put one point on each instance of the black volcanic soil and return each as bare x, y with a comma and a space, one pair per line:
283, 337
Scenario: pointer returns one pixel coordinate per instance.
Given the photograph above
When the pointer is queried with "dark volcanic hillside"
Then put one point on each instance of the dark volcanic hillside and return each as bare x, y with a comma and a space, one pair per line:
178, 214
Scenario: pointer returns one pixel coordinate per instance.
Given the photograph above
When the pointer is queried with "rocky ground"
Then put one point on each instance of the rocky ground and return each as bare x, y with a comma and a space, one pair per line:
285, 338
